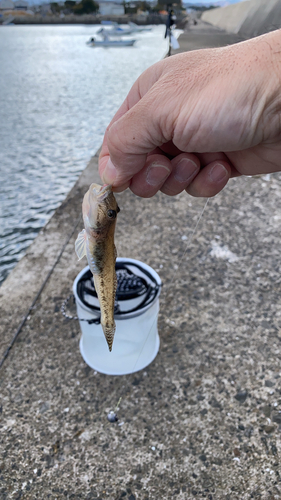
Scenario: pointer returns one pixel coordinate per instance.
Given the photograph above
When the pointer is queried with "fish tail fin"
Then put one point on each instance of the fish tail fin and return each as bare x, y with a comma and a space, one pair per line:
109, 331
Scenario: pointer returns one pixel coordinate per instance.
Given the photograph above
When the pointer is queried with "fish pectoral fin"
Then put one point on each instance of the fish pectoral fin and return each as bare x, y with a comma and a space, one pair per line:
80, 244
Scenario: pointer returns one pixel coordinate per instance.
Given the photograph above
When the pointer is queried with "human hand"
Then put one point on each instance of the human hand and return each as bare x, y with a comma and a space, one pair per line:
196, 119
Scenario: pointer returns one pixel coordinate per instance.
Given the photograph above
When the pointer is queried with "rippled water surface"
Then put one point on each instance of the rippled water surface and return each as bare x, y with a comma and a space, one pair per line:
57, 96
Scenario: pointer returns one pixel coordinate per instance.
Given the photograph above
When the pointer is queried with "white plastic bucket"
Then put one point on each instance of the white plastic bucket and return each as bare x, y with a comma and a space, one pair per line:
136, 340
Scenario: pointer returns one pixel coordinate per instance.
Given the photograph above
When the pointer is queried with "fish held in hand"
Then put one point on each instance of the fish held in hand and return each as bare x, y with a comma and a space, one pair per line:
96, 242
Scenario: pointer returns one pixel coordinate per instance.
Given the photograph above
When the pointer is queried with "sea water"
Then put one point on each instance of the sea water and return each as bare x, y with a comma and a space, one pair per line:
57, 95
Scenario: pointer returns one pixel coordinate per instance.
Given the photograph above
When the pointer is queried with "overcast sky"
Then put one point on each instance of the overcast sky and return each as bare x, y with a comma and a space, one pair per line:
208, 2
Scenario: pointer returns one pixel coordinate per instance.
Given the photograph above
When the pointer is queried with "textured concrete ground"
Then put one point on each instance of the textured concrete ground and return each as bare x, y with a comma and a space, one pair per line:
203, 421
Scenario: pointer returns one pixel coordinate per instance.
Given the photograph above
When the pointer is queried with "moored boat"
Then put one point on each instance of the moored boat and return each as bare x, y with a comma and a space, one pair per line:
116, 30
107, 42
139, 29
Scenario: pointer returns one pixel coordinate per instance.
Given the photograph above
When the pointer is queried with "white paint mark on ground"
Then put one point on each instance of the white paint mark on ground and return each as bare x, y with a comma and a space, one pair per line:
222, 252
86, 436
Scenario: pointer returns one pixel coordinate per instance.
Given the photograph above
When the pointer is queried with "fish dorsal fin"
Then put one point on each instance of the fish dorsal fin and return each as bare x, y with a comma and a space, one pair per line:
80, 245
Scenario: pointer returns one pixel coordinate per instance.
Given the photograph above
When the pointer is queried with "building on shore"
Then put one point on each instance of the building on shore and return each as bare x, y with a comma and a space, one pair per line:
10, 9
110, 8
6, 5
21, 5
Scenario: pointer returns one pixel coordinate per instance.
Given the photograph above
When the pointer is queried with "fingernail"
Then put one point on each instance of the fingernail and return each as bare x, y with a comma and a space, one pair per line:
157, 174
110, 173
184, 170
218, 173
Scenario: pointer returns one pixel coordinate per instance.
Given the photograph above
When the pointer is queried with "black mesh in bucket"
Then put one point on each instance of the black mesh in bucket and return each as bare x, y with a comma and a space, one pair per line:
136, 287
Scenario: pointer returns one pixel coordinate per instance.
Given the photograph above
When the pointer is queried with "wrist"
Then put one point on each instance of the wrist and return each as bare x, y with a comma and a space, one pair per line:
260, 61
269, 48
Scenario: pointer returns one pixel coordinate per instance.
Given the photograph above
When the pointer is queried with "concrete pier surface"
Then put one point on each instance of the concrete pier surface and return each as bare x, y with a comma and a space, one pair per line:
203, 421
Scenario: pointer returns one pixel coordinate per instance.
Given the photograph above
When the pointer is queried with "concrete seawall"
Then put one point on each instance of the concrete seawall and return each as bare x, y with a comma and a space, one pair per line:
248, 18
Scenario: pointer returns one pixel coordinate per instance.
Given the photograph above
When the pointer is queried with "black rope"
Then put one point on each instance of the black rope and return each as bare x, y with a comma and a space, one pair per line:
38, 295
63, 311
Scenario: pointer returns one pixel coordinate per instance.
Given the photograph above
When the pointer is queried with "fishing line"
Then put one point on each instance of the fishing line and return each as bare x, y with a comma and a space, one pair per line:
184, 253
145, 342
194, 230
112, 415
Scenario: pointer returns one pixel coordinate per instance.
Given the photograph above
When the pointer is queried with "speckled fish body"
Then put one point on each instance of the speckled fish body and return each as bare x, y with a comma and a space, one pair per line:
96, 242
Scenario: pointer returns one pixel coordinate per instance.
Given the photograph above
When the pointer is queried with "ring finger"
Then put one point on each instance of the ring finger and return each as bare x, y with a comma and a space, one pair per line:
185, 167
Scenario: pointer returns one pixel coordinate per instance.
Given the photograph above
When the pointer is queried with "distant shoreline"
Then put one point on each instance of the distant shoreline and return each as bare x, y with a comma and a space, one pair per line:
89, 19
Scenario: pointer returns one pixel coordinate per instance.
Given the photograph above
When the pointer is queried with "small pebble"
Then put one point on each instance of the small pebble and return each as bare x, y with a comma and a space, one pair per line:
269, 429
241, 396
112, 417
276, 417
269, 383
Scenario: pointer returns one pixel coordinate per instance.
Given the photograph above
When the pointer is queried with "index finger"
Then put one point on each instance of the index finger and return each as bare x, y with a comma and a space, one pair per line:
120, 140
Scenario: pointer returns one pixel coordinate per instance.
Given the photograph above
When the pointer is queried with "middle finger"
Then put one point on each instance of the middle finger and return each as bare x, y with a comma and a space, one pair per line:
184, 168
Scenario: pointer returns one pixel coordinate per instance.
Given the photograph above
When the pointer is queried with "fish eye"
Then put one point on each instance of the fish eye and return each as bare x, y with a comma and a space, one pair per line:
111, 214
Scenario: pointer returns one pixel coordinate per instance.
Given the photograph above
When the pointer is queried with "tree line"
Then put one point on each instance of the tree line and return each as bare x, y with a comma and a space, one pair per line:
92, 7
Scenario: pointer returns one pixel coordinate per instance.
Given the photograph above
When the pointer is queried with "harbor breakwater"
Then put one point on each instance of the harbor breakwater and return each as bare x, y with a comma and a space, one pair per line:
248, 19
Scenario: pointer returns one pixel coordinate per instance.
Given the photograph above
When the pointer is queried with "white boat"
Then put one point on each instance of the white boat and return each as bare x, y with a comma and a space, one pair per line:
139, 29
107, 42
116, 30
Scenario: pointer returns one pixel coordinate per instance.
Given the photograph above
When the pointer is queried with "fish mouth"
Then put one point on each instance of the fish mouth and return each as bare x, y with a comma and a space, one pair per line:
103, 192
